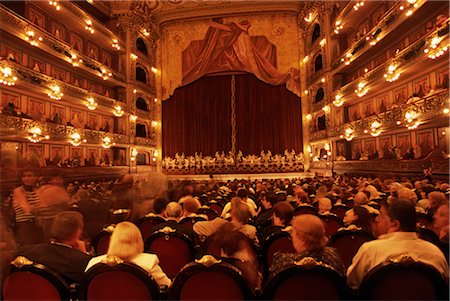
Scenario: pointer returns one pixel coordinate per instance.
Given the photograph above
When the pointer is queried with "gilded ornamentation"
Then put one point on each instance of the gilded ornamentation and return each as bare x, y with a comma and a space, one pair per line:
110, 228
208, 260
111, 260
352, 228
310, 263
167, 230
21, 261
403, 259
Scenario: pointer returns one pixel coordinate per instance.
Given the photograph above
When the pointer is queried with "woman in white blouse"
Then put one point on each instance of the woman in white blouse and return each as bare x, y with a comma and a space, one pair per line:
126, 243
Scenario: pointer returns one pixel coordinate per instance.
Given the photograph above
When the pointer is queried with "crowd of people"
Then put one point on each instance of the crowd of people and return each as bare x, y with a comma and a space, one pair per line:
53, 222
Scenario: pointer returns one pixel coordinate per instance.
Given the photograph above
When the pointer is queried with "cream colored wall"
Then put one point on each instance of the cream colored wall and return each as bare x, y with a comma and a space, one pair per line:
280, 29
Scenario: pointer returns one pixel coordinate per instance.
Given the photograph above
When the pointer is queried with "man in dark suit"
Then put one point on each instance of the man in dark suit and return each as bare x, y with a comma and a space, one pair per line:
173, 215
66, 253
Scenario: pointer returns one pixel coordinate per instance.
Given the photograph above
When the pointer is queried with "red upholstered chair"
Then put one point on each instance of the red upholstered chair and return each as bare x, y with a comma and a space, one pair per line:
424, 220
307, 279
339, 210
147, 222
100, 243
277, 242
348, 241
115, 280
174, 250
188, 222
428, 235
331, 222
216, 206
209, 212
403, 278
305, 209
210, 279
32, 281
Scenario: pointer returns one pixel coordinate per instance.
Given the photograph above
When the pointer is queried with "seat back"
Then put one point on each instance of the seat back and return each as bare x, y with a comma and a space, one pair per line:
423, 220
148, 222
26, 280
216, 206
277, 242
306, 279
115, 280
100, 243
209, 212
305, 209
174, 250
210, 279
428, 235
339, 210
331, 222
348, 241
403, 278
188, 222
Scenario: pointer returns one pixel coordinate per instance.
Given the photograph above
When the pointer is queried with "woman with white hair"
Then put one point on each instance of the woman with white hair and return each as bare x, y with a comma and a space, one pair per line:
309, 240
127, 244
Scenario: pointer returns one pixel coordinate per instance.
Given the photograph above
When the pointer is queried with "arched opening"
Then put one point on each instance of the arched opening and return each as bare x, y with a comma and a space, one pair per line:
141, 75
320, 95
140, 45
141, 104
321, 123
316, 33
141, 130
318, 63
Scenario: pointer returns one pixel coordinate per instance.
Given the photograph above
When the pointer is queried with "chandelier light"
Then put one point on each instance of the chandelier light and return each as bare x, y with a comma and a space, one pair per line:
107, 143
435, 49
362, 88
55, 4
392, 73
32, 38
411, 121
133, 154
75, 139
115, 44
375, 129
348, 135
338, 100
55, 92
118, 112
89, 26
133, 118
91, 104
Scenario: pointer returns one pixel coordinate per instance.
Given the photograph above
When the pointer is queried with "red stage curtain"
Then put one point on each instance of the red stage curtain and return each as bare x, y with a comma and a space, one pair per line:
267, 117
197, 118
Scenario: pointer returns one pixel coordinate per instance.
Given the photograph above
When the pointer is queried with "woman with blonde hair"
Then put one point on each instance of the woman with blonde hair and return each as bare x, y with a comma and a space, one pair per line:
127, 244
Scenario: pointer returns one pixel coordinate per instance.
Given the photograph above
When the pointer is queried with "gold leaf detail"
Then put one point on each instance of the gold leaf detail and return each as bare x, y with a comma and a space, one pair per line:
112, 260
167, 230
21, 261
208, 260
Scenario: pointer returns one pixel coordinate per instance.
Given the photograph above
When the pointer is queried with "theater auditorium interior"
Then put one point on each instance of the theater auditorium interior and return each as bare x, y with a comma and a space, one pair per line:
224, 150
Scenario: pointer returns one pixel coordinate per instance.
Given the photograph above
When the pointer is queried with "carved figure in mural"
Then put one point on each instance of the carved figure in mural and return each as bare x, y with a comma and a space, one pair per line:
417, 151
239, 157
299, 158
229, 160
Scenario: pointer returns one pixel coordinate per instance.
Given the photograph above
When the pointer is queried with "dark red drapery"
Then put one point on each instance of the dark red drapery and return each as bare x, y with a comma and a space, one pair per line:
197, 118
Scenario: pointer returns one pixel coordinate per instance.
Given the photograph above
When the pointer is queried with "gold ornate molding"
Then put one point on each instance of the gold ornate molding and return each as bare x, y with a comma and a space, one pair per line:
167, 230
310, 263
208, 260
21, 261
111, 260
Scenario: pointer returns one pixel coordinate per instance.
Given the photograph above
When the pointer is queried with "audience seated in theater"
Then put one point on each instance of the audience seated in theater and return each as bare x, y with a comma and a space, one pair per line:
373, 192
321, 193
361, 199
422, 195
325, 206
54, 199
190, 207
268, 200
159, 207
127, 244
395, 228
360, 217
441, 223
436, 199
301, 197
281, 218
242, 194
309, 240
66, 253
173, 215
25, 203
233, 250
240, 215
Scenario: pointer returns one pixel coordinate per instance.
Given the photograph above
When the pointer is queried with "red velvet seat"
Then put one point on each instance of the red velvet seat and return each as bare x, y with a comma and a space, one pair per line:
428, 235
423, 220
188, 222
210, 279
306, 280
148, 222
32, 281
348, 241
174, 250
339, 210
100, 243
305, 209
404, 279
116, 280
332, 223
208, 211
277, 242
216, 206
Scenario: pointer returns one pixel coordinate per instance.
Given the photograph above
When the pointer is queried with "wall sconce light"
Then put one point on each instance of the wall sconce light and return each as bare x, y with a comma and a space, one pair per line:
55, 92
155, 123
154, 70
326, 108
74, 61
88, 26
338, 100
375, 129
32, 39
145, 32
309, 18
133, 118
348, 134
55, 4
323, 42
306, 92
327, 147
133, 154
358, 5
156, 99
411, 120
362, 88
347, 59
308, 117
134, 91
305, 59
155, 155
36, 135
338, 26
91, 104
107, 142
133, 57
118, 112
392, 73
75, 139
309, 149
7, 75
435, 50
115, 44
446, 110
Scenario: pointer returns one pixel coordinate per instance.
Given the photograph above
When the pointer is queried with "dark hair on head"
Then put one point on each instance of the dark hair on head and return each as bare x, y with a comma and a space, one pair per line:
272, 198
364, 218
230, 239
159, 205
284, 211
29, 169
405, 212
65, 225
427, 188
242, 193
240, 211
